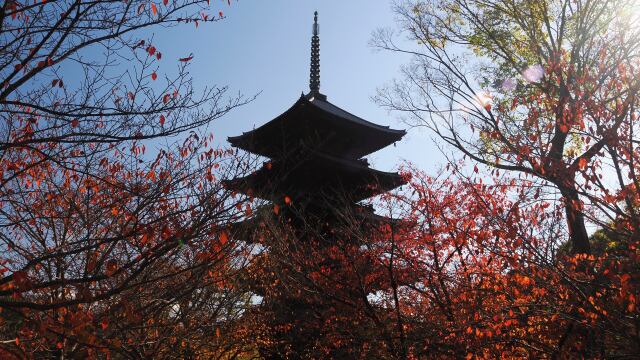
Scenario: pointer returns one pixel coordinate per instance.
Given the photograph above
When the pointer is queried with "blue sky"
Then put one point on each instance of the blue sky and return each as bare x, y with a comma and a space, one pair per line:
264, 46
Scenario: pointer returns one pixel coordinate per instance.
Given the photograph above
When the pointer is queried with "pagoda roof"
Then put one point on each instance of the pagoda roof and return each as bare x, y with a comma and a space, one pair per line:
255, 229
316, 123
319, 174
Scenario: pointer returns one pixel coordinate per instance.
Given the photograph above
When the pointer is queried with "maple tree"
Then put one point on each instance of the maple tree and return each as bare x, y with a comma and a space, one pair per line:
111, 242
118, 238
545, 89
542, 93
465, 271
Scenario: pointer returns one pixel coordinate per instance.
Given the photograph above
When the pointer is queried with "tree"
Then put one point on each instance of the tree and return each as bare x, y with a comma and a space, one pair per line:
107, 247
467, 272
545, 89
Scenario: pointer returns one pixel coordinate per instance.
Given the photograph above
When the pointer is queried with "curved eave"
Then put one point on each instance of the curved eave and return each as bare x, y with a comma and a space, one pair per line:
240, 140
263, 139
343, 114
363, 182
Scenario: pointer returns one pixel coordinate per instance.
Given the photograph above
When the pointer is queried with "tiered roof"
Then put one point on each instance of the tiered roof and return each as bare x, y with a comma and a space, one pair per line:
316, 151
316, 123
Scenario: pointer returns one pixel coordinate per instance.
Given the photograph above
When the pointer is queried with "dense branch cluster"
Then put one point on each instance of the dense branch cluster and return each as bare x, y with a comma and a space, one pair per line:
119, 239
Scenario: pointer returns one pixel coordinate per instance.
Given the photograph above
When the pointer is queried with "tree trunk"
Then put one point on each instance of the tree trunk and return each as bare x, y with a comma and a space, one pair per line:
575, 221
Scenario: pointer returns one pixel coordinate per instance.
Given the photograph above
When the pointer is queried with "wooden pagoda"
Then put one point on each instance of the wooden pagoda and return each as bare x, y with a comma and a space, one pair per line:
316, 151
316, 163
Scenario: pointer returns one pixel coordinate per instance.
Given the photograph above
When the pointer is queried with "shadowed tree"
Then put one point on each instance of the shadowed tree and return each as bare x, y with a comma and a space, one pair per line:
112, 218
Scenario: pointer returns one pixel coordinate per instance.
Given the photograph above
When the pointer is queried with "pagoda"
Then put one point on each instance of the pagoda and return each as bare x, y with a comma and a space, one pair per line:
316, 152
315, 164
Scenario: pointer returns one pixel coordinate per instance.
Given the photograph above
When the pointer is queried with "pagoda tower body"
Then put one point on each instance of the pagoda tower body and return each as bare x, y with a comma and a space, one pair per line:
316, 164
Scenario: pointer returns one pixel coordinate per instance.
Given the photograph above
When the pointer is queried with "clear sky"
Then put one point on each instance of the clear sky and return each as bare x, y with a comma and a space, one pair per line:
264, 46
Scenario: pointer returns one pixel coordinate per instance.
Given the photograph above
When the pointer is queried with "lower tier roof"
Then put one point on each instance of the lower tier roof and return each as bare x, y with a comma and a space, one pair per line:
316, 174
256, 228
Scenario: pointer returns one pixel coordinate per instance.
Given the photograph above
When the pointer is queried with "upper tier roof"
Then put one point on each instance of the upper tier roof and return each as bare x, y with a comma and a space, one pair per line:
317, 124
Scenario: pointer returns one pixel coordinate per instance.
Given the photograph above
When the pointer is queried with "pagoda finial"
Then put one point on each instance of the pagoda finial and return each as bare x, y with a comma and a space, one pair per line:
314, 77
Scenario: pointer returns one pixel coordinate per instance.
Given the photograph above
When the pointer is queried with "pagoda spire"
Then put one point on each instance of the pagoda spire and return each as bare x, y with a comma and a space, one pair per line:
314, 76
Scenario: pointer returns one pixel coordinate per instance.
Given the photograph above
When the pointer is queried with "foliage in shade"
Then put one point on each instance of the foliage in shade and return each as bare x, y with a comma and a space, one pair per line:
119, 239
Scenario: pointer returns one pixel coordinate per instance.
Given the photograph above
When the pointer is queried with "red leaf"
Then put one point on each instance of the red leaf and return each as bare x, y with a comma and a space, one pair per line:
166, 98
582, 163
54, 83
186, 59
221, 14
131, 96
75, 123
151, 50
154, 76
111, 266
165, 2
162, 119
158, 55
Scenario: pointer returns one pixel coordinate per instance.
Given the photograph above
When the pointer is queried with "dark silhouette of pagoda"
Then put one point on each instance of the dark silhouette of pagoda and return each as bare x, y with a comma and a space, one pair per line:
316, 165
316, 151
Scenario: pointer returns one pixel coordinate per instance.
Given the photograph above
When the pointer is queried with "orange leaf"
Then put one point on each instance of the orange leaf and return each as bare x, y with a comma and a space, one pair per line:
111, 266
582, 163
154, 10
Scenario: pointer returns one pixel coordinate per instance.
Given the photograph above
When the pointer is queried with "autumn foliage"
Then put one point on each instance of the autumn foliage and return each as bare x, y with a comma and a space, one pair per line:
112, 245
467, 271
118, 238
